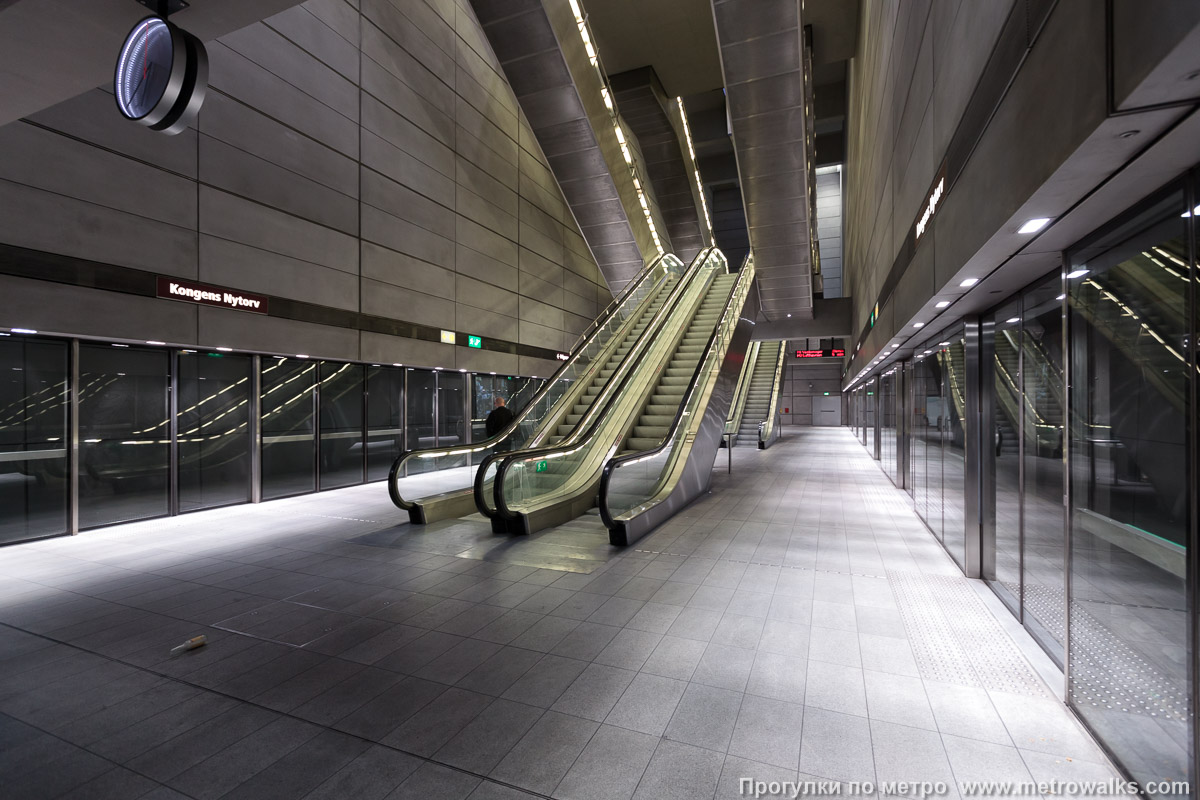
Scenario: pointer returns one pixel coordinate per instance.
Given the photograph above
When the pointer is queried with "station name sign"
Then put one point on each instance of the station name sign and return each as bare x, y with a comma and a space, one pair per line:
192, 292
932, 201
821, 353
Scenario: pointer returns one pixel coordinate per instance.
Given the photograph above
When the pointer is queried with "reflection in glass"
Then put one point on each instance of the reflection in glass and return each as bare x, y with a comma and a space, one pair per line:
869, 416
385, 409
124, 435
1130, 409
887, 413
288, 426
952, 349
451, 408
419, 403
213, 419
33, 439
1044, 561
341, 448
1002, 348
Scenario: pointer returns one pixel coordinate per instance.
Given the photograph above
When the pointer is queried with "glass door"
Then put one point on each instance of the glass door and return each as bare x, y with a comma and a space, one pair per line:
289, 427
213, 430
341, 424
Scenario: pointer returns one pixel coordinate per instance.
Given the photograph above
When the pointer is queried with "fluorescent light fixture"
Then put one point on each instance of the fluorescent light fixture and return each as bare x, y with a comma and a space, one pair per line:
1195, 211
187, 351
114, 344
491, 373
943, 303
789, 315
462, 370
1012, 320
969, 282
22, 330
943, 344
918, 324
154, 341
301, 355
230, 350
927, 352
1077, 273
397, 364
1034, 225
1061, 297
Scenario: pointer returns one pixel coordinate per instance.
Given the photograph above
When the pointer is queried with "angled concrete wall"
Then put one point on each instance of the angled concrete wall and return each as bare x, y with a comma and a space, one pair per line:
360, 155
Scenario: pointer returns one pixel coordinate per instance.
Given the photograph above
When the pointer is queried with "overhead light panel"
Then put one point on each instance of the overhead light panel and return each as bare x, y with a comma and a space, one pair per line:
969, 282
918, 324
1076, 273
1034, 225
943, 303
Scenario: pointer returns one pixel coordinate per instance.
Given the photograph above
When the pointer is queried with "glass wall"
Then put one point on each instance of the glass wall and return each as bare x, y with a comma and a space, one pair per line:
341, 420
952, 358
33, 438
213, 430
868, 416
289, 444
385, 419
145, 454
124, 434
887, 423
1131, 489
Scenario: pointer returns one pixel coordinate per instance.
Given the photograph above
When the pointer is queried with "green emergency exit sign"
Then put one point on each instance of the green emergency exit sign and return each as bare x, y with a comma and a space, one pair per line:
542, 466
474, 341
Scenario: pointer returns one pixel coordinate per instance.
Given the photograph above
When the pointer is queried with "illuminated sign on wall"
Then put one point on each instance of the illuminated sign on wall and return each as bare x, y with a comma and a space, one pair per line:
561, 356
474, 341
192, 292
448, 337
820, 353
932, 200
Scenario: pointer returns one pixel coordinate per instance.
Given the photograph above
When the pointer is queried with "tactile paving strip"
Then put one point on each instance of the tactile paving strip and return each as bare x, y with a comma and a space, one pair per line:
1108, 673
956, 639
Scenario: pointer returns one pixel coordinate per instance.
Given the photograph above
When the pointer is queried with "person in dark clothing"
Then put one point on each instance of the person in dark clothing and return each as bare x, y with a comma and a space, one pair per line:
499, 419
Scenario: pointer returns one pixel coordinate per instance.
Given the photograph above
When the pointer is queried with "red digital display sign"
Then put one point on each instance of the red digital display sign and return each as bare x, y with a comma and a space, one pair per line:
820, 353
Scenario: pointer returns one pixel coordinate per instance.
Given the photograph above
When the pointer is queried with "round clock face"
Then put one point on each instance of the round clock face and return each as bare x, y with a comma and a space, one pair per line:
144, 67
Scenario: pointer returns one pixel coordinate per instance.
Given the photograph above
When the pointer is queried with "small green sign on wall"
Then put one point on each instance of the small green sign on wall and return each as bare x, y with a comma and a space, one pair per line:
475, 341
542, 466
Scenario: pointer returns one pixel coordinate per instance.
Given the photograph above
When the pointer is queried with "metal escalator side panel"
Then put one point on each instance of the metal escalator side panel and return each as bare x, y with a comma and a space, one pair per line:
489, 479
660, 482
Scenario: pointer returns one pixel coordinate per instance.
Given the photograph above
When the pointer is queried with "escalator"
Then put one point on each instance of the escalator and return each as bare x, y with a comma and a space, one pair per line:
762, 393
438, 483
638, 411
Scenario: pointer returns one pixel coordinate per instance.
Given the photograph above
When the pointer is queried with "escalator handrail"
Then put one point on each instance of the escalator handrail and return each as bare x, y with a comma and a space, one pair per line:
577, 439
615, 463
519, 418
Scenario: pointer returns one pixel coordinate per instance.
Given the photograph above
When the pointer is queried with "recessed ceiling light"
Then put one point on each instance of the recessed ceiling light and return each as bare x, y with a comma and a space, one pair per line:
225, 349
1061, 297
943, 344
789, 315
969, 282
22, 330
1076, 273
301, 355
397, 364
154, 341
943, 303
462, 370
1195, 211
927, 352
1034, 225
119, 345
1012, 320
918, 324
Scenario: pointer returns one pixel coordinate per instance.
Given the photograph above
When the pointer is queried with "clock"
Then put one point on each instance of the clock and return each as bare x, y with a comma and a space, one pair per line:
161, 76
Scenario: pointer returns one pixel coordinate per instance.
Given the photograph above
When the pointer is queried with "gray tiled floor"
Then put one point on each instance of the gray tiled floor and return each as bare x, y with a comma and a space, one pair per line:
798, 622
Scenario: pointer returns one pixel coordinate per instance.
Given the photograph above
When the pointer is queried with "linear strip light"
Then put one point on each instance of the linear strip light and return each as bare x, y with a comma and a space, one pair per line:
687, 134
606, 94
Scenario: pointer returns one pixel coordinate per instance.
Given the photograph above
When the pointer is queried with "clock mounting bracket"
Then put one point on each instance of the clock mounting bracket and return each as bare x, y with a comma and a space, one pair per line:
164, 8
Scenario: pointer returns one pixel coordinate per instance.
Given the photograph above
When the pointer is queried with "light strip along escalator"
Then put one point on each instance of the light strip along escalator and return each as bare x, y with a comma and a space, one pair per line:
639, 490
436, 483
543, 487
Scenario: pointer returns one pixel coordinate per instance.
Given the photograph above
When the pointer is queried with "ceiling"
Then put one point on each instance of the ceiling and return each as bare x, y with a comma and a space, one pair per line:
676, 37
53, 50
